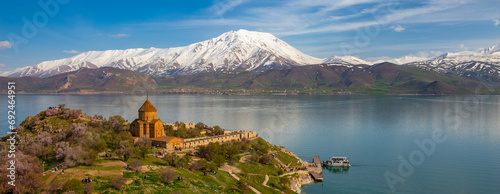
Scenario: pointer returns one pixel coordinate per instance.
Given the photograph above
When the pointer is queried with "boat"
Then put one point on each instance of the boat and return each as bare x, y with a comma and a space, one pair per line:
337, 161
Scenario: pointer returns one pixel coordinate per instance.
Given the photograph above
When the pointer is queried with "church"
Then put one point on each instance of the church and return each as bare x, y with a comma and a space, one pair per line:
147, 123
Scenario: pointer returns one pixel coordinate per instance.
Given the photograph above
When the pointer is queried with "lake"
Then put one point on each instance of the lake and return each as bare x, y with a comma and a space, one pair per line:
402, 144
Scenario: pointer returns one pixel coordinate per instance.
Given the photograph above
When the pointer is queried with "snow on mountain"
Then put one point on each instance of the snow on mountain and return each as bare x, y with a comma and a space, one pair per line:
346, 60
401, 60
495, 49
233, 50
483, 64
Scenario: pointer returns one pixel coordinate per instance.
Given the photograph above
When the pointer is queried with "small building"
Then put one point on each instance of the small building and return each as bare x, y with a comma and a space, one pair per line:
167, 142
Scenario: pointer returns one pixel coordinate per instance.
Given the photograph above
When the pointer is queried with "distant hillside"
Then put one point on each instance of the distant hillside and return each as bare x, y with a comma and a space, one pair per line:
384, 78
106, 79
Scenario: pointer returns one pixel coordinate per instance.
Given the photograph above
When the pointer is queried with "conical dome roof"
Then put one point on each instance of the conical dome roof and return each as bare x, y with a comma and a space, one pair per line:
147, 107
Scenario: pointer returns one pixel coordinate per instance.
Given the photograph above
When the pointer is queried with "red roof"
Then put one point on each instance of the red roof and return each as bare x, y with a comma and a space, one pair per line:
147, 107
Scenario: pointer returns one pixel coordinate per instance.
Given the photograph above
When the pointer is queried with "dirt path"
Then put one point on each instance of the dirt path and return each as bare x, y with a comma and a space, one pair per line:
265, 181
251, 188
229, 168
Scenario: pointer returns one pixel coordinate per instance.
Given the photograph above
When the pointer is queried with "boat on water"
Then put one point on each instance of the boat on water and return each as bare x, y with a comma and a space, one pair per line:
337, 161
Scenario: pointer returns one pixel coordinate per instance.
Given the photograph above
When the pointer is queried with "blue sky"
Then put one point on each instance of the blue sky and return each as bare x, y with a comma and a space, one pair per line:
321, 28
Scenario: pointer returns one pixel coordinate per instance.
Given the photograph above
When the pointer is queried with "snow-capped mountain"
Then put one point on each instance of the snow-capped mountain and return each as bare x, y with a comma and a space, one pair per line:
346, 60
483, 64
233, 50
401, 60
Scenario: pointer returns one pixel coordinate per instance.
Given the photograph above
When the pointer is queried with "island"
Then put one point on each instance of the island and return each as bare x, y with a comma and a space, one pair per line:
62, 150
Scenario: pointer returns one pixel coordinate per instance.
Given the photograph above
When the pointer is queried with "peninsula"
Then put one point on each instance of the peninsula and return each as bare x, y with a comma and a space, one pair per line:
62, 150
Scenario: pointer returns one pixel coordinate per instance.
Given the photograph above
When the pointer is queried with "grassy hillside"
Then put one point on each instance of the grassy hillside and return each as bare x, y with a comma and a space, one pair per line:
101, 149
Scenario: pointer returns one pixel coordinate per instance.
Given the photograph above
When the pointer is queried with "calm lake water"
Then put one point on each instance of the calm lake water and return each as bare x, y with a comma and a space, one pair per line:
377, 133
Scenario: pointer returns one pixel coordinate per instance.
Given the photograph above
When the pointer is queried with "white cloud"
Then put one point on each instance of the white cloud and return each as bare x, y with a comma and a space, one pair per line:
496, 22
222, 6
71, 51
397, 28
463, 47
2, 65
5, 44
118, 35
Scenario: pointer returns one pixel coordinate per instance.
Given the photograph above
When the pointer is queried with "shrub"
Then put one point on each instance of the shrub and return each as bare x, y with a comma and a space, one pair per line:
51, 112
266, 159
53, 187
167, 176
118, 182
71, 114
196, 166
243, 186
88, 188
136, 165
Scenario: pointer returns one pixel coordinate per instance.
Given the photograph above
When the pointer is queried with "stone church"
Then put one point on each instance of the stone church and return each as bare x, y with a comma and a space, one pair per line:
147, 123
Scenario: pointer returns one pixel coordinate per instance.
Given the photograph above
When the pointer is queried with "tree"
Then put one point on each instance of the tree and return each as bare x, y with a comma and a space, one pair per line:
78, 155
72, 185
243, 186
61, 149
118, 182
200, 125
167, 176
218, 160
218, 130
125, 150
266, 159
143, 141
69, 114
28, 173
44, 139
196, 166
141, 152
79, 129
116, 122
136, 165
51, 112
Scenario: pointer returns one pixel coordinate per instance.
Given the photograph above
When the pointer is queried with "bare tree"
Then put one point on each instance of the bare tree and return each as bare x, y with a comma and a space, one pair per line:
51, 112
136, 165
44, 139
61, 149
118, 182
79, 129
143, 141
167, 175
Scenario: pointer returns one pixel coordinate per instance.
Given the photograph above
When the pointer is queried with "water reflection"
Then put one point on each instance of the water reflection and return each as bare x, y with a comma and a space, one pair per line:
336, 169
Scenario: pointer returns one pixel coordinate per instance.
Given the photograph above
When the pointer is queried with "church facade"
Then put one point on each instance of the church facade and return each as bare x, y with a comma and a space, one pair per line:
147, 123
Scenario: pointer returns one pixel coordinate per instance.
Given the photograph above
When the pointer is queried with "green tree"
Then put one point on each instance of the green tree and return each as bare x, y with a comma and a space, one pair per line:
218, 130
200, 125
243, 186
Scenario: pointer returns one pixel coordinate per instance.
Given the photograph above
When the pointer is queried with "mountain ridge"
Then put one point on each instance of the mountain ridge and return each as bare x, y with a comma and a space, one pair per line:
233, 50
384, 78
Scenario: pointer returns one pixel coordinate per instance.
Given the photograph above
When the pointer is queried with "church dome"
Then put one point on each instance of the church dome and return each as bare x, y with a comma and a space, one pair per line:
147, 107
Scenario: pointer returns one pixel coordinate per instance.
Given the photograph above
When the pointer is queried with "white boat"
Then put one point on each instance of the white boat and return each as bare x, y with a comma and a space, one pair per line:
337, 161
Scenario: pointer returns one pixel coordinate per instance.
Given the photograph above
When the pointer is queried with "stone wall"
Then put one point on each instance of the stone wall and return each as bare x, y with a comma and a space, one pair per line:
227, 137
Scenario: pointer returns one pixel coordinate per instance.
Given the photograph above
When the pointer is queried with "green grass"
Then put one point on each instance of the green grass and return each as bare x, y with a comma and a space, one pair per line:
258, 168
285, 158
